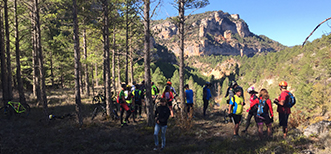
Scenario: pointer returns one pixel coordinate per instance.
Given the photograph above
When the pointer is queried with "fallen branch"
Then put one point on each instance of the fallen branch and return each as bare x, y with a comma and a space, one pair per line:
314, 31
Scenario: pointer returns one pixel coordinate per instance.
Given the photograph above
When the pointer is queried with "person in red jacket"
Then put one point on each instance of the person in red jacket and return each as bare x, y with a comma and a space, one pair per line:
167, 94
264, 113
253, 100
283, 111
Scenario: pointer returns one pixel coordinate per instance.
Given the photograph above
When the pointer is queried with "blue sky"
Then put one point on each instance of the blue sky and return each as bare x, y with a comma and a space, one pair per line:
287, 21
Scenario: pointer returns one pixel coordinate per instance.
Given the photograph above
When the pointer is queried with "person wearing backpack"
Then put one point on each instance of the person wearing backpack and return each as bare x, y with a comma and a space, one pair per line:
235, 109
206, 97
137, 95
124, 107
283, 110
154, 90
167, 94
264, 113
253, 101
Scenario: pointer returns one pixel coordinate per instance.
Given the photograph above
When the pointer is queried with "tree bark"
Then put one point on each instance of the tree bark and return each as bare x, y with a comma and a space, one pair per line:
36, 79
96, 75
118, 69
149, 103
77, 69
3, 63
87, 83
113, 59
18, 64
43, 97
127, 43
9, 71
106, 57
181, 10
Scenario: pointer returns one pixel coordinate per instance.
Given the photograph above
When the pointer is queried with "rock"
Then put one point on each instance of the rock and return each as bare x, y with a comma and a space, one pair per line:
317, 128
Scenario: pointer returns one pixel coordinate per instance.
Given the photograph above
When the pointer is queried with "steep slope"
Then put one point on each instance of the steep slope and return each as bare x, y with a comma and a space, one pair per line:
213, 33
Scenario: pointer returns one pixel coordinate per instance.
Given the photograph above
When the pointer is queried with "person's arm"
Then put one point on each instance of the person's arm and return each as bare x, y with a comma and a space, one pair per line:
174, 90
122, 97
230, 105
171, 96
270, 107
227, 92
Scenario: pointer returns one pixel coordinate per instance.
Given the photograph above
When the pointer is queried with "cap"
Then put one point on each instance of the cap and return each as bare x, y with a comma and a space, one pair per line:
251, 90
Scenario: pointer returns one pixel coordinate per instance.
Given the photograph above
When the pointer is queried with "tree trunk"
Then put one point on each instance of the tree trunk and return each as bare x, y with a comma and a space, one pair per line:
118, 69
181, 55
9, 71
131, 64
43, 97
87, 83
52, 68
3, 63
113, 60
149, 103
106, 57
36, 80
18, 64
77, 58
92, 84
127, 43
96, 75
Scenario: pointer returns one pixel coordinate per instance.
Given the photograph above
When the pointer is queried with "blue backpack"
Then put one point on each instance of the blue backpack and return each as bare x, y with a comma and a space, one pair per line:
262, 108
290, 100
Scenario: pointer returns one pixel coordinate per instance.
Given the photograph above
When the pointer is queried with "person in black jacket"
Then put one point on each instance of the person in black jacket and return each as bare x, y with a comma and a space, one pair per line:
162, 114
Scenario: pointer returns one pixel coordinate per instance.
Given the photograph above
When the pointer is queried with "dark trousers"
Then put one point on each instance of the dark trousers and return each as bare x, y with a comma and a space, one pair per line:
128, 113
205, 106
248, 120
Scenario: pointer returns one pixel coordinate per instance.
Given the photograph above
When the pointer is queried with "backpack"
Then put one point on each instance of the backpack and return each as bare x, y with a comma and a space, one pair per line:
290, 100
137, 96
156, 89
262, 108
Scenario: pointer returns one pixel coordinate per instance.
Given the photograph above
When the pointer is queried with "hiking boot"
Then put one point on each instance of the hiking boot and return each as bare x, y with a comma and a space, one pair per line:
161, 149
244, 131
155, 148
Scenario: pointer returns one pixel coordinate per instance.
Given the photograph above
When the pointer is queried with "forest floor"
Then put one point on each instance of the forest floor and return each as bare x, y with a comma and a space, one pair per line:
203, 135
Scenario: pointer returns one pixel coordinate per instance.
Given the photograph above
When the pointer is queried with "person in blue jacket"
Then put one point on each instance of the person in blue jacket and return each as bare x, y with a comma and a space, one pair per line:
206, 97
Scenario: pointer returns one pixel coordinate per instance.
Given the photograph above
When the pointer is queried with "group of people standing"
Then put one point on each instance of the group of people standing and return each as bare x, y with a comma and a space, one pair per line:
260, 108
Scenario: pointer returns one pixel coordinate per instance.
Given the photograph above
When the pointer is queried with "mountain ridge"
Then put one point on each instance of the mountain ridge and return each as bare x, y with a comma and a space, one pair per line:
213, 33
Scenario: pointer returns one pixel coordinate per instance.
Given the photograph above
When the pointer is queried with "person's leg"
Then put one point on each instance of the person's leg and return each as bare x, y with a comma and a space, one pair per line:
260, 130
283, 119
236, 128
156, 132
128, 113
269, 130
163, 137
248, 121
205, 106
171, 111
122, 113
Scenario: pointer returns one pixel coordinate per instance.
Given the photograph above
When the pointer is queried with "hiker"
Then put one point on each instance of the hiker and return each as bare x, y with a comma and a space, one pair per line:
189, 99
124, 106
162, 114
172, 89
206, 97
253, 100
264, 113
283, 111
167, 94
137, 94
230, 92
129, 98
235, 109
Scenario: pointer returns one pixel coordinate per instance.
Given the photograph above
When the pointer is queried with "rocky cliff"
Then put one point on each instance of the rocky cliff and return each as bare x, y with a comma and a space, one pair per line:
216, 33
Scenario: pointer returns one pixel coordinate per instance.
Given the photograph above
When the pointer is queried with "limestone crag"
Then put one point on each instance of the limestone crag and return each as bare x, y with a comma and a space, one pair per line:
215, 33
